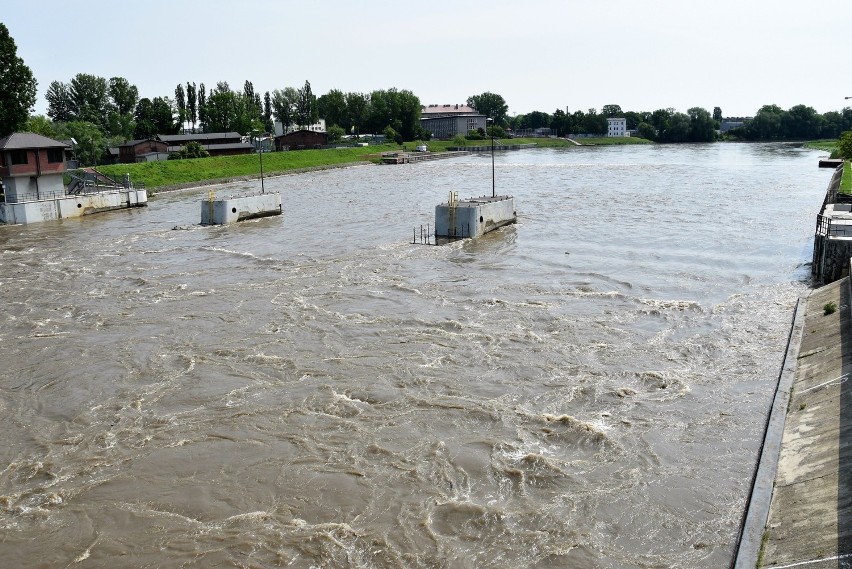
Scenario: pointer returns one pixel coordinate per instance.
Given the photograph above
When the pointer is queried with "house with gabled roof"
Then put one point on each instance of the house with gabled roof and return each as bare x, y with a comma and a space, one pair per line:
31, 166
142, 150
32, 169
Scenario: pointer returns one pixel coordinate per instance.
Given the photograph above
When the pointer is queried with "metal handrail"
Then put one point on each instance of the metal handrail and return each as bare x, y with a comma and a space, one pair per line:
86, 190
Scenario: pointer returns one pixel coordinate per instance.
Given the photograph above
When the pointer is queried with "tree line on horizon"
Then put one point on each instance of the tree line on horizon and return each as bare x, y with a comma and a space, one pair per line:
99, 112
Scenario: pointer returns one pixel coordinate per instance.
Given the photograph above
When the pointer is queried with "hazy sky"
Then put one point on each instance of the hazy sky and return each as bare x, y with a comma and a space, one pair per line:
538, 54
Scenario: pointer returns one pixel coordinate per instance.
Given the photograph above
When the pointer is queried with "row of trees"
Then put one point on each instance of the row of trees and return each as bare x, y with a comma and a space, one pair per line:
662, 125
113, 106
696, 125
798, 123
18, 86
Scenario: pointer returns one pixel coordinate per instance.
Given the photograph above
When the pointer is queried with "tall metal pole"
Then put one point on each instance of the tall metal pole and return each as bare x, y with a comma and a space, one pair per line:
260, 151
493, 183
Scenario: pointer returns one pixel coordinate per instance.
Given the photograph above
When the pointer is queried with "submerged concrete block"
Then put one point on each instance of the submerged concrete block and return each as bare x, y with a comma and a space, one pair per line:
473, 217
221, 211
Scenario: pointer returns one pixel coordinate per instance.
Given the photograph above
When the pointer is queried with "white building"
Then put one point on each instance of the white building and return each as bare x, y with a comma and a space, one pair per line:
446, 121
319, 126
616, 126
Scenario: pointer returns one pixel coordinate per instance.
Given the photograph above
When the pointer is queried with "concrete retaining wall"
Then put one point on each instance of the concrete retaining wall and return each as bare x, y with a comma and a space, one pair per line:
833, 235
831, 257
37, 211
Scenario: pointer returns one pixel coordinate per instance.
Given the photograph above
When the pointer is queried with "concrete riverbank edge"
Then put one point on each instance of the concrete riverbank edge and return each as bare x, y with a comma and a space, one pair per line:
800, 510
249, 177
757, 509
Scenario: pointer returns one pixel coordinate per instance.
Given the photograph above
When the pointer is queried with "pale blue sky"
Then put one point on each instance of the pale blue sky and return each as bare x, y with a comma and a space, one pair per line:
538, 54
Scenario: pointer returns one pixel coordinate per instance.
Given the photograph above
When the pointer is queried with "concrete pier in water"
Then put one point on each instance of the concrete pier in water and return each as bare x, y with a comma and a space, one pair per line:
473, 217
224, 210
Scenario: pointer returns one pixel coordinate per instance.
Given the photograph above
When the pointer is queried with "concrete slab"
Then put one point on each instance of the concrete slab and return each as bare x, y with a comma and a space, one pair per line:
810, 515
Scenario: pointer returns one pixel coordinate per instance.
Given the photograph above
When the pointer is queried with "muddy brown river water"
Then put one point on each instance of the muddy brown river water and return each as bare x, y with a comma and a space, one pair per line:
586, 388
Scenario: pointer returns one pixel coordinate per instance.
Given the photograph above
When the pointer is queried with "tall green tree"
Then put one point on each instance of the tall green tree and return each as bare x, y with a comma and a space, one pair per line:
332, 107
123, 99
202, 107
191, 103
17, 86
60, 108
227, 111
491, 105
284, 105
267, 112
164, 113
123, 95
90, 146
534, 120
221, 109
844, 145
398, 109
646, 130
253, 102
40, 124
90, 99
702, 127
180, 104
306, 106
358, 110
678, 129
717, 113
559, 123
594, 122
634, 118
144, 120
660, 120
610, 111
154, 117
802, 123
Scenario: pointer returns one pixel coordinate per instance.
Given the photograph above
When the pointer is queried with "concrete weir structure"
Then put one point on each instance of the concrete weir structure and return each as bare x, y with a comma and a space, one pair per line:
225, 210
473, 217
59, 206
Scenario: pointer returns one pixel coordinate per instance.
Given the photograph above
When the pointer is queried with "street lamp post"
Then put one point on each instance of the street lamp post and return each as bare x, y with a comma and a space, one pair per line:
262, 189
260, 140
493, 183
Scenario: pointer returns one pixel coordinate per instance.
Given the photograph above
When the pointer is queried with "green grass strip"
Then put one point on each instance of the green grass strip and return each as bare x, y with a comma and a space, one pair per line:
846, 180
168, 173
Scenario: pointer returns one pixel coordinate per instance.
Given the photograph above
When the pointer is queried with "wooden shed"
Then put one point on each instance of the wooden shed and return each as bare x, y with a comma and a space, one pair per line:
301, 140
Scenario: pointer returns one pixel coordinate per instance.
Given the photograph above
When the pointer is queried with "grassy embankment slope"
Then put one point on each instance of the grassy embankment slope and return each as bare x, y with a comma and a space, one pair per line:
185, 173
831, 146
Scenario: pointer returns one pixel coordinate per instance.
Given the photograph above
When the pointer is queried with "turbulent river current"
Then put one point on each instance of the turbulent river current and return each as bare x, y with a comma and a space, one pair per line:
586, 388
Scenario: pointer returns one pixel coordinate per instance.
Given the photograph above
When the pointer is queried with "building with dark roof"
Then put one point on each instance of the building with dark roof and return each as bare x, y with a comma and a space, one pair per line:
31, 165
301, 139
215, 143
202, 138
139, 150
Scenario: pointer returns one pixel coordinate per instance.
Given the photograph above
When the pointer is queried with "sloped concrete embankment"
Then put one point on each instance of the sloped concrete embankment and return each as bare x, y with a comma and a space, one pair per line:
800, 511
